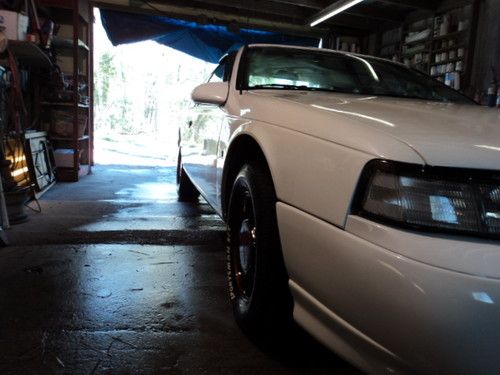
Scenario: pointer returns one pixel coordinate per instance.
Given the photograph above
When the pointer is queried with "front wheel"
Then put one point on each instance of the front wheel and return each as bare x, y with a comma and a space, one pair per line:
258, 281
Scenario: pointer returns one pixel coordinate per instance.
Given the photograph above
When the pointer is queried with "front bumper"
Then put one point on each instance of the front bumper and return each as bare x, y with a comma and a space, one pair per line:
386, 312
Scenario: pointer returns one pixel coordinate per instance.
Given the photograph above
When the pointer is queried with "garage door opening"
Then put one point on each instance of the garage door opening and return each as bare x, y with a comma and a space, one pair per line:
141, 94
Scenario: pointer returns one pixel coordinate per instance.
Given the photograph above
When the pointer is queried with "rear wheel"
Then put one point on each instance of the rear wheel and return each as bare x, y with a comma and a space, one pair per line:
186, 191
258, 281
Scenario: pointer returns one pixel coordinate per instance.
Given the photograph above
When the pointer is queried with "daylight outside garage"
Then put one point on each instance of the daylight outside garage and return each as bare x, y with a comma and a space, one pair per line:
142, 93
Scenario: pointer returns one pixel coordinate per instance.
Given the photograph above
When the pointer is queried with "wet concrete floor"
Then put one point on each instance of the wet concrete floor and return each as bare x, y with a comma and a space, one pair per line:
115, 276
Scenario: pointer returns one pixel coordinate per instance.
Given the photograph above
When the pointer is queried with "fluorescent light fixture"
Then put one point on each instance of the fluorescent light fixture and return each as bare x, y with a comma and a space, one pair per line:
332, 10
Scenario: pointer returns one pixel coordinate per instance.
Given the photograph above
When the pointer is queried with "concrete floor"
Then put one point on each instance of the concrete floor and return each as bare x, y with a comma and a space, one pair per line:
115, 276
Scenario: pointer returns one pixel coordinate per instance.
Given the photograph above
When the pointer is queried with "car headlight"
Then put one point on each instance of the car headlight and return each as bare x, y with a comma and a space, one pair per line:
431, 198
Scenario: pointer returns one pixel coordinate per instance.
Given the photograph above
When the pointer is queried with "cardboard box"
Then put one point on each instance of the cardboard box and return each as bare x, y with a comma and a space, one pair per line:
62, 123
64, 157
15, 24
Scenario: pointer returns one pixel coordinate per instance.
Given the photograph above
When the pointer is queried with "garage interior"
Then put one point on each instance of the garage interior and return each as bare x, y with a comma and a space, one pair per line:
103, 270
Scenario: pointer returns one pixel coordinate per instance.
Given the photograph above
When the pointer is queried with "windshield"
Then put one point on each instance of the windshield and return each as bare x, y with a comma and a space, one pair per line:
296, 69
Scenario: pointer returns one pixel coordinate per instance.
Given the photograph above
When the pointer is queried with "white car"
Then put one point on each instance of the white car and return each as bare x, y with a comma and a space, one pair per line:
361, 196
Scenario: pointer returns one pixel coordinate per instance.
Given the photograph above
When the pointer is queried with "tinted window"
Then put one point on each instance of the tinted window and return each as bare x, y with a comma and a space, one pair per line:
283, 68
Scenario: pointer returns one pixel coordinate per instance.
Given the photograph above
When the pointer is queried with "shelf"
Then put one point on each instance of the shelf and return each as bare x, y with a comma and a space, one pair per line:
447, 61
67, 44
450, 35
428, 46
419, 48
456, 46
65, 104
423, 36
443, 74
34, 134
416, 42
73, 51
28, 53
82, 138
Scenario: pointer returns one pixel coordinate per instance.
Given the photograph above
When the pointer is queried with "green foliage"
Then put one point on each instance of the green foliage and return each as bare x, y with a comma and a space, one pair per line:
143, 88
106, 72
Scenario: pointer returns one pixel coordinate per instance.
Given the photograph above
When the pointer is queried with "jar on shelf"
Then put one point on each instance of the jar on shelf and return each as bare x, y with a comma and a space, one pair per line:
456, 80
445, 26
462, 25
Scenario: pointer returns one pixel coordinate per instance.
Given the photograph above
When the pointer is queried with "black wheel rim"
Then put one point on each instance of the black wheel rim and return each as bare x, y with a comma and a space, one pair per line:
244, 246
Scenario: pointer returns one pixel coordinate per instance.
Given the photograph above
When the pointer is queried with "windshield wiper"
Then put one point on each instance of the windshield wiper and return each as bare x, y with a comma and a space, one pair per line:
281, 86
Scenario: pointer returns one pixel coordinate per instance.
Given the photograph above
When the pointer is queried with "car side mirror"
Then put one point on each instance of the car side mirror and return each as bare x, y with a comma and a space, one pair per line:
211, 93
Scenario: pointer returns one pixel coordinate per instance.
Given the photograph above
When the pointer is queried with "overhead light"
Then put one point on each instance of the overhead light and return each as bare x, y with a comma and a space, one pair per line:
333, 10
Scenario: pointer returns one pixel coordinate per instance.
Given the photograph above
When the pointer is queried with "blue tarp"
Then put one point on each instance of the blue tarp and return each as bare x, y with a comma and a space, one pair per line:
206, 42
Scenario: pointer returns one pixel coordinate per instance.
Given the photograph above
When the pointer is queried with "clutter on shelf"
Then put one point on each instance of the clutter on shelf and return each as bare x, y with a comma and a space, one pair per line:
45, 98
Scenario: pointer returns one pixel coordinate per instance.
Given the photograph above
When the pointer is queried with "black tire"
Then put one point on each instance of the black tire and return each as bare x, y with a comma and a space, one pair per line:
258, 281
186, 191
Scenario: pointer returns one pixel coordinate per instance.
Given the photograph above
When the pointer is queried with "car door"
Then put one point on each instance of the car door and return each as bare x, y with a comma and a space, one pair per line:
200, 138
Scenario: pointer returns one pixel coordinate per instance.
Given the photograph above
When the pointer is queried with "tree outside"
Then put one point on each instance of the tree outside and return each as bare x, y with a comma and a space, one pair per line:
141, 95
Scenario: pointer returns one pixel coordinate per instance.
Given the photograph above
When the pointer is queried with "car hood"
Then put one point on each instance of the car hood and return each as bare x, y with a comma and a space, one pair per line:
442, 134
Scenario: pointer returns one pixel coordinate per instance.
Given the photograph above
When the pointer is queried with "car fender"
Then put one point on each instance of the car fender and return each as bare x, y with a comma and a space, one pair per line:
314, 175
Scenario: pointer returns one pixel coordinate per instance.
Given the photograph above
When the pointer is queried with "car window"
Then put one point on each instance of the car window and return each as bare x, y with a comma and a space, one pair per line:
223, 71
218, 74
289, 68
